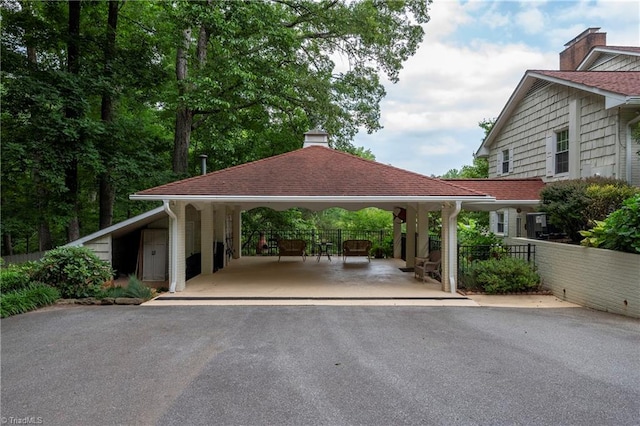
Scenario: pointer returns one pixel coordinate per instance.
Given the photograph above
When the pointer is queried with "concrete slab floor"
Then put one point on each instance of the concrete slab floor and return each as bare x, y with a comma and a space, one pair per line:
380, 281
262, 280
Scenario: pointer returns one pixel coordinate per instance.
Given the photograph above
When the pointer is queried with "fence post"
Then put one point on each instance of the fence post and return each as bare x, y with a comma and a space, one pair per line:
528, 252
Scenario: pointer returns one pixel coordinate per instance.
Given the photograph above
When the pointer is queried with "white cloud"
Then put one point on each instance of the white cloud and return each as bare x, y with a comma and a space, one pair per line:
531, 20
472, 58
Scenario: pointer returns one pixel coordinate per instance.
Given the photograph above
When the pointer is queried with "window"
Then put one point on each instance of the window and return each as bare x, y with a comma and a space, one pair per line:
505, 161
562, 152
499, 222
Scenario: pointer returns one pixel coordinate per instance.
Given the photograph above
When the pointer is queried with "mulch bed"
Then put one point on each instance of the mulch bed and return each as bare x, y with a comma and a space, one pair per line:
465, 292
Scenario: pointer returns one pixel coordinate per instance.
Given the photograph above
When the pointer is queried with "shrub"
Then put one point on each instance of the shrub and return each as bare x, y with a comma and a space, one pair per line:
474, 234
134, 288
573, 204
13, 278
503, 275
75, 271
26, 299
619, 231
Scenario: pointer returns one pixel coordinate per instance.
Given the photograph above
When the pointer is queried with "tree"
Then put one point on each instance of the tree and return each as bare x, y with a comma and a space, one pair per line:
79, 116
251, 73
480, 167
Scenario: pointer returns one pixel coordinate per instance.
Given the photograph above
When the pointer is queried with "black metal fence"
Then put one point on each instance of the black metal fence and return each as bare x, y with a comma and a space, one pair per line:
265, 243
467, 255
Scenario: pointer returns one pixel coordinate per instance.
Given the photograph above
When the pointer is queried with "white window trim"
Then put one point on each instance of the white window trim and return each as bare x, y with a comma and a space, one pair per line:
500, 160
551, 151
493, 222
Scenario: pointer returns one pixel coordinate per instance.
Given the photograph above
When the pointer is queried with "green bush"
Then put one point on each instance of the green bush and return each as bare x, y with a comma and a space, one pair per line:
502, 275
75, 271
472, 233
26, 299
134, 288
619, 231
13, 278
573, 204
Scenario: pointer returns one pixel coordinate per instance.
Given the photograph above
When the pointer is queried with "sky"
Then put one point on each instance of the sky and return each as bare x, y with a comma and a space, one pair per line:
473, 55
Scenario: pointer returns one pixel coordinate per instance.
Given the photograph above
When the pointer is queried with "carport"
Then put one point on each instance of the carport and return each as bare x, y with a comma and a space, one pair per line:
314, 177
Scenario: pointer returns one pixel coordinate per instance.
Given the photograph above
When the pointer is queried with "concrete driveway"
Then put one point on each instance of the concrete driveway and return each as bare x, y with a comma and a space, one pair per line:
320, 365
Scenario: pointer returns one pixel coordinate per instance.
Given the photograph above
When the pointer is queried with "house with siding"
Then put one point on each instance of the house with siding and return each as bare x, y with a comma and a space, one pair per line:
569, 123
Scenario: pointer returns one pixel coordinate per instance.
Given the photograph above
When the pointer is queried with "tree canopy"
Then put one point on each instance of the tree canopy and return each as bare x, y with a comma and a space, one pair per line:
105, 98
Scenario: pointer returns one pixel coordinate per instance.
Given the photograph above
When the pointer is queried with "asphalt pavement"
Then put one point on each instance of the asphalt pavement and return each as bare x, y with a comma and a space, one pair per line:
319, 365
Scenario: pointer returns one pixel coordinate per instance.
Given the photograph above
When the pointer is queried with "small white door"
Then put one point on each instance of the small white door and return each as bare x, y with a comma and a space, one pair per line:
155, 255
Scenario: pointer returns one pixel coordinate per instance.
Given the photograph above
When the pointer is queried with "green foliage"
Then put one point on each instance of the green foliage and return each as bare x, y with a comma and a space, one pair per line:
75, 271
502, 275
605, 199
473, 233
14, 277
572, 204
619, 231
134, 288
34, 296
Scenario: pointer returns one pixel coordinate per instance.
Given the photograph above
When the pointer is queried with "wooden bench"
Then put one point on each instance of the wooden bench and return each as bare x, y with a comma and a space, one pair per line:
356, 248
292, 248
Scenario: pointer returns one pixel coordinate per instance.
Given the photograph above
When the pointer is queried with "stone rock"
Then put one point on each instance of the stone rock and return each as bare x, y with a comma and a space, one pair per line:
87, 301
66, 301
128, 301
108, 301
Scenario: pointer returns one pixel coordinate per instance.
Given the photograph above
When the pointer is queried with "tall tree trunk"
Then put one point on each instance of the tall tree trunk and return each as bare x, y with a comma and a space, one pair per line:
71, 112
107, 190
6, 244
45, 241
184, 114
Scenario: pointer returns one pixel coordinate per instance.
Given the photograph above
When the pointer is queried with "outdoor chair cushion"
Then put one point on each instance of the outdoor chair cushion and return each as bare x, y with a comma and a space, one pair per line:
292, 248
356, 248
428, 266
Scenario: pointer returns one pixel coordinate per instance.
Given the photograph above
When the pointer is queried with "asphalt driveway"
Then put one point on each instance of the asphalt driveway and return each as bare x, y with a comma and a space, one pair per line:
309, 365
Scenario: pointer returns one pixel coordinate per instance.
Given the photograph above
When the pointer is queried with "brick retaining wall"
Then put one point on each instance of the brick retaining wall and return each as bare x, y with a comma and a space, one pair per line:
601, 279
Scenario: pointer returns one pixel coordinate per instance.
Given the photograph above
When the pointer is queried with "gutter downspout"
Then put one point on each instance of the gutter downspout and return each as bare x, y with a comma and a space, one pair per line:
174, 245
453, 246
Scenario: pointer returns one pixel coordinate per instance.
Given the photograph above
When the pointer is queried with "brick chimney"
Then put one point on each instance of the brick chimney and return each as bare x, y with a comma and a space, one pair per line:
578, 48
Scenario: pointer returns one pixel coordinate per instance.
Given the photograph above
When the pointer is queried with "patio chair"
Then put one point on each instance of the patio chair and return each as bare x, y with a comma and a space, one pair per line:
428, 266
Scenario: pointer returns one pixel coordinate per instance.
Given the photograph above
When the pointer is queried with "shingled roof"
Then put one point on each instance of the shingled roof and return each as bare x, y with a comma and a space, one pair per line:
624, 83
506, 188
309, 172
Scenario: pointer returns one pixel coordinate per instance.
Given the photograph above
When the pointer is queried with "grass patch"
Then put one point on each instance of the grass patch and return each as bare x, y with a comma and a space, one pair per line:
35, 295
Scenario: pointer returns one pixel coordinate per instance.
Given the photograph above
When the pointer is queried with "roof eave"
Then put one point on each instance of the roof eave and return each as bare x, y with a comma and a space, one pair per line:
617, 101
523, 86
310, 198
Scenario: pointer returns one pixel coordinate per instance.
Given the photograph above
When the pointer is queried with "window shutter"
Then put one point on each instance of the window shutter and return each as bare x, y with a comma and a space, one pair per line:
493, 222
510, 160
506, 223
499, 163
549, 157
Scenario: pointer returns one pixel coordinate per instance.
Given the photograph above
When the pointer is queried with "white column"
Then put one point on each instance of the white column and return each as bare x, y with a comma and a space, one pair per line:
397, 240
179, 246
444, 248
206, 238
411, 236
423, 231
237, 232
